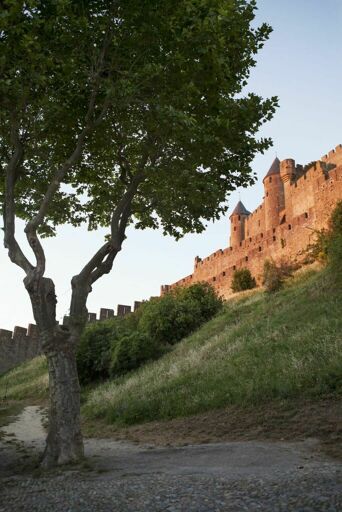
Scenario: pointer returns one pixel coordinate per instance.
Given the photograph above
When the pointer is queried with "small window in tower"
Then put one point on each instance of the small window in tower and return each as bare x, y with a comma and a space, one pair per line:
223, 273
270, 180
259, 248
274, 239
289, 226
273, 230
262, 235
239, 217
234, 228
266, 194
234, 267
250, 239
214, 279
258, 222
246, 258
306, 215
240, 244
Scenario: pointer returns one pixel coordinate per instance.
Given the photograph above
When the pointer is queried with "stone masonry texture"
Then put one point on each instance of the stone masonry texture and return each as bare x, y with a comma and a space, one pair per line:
298, 202
23, 343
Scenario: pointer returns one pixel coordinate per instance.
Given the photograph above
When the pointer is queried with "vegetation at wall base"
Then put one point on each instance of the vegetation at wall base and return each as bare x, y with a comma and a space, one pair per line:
243, 280
252, 352
122, 344
327, 247
275, 274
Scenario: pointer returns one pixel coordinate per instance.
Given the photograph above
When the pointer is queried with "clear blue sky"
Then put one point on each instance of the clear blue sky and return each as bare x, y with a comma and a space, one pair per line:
301, 63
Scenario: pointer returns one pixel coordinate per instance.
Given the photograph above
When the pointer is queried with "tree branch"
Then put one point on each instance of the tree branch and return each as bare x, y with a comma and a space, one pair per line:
102, 262
14, 251
89, 124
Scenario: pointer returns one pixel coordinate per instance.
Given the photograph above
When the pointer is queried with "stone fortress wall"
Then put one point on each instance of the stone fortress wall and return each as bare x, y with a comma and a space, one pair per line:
23, 343
298, 201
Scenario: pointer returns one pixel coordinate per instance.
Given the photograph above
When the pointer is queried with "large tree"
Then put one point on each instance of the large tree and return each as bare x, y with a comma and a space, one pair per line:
113, 113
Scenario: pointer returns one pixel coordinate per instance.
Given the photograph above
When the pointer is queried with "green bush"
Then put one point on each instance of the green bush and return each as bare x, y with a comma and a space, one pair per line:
327, 247
170, 318
242, 280
94, 352
119, 345
131, 351
96, 345
334, 249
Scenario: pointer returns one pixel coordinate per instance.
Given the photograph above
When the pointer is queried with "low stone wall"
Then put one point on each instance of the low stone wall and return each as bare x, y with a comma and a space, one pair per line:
23, 343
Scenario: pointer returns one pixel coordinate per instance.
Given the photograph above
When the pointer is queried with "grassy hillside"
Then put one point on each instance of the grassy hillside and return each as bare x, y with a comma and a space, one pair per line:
261, 348
27, 381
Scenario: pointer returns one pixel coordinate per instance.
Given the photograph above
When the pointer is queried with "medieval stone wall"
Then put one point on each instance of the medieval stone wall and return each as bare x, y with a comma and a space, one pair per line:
18, 346
297, 202
23, 343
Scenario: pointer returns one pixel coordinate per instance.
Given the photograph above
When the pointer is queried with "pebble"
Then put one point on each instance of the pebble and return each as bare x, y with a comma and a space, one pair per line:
298, 492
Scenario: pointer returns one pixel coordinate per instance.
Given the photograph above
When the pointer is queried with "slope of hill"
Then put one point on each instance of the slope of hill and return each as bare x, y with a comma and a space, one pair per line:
261, 348
261, 352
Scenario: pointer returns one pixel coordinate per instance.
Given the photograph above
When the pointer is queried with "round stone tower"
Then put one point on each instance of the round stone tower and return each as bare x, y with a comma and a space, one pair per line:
287, 174
237, 224
274, 195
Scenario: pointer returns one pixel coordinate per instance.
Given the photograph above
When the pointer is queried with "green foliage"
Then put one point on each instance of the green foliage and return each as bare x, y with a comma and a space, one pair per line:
252, 353
335, 241
170, 318
133, 350
28, 381
172, 107
122, 344
327, 247
94, 352
242, 280
249, 354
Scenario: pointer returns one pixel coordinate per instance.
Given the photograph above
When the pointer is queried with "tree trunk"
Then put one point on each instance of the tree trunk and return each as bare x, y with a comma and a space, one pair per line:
64, 442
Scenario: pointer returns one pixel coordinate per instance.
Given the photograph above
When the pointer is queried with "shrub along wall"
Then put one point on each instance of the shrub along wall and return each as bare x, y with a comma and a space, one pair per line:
116, 346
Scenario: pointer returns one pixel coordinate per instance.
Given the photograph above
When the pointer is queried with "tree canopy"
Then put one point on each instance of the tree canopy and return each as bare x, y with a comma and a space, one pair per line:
145, 91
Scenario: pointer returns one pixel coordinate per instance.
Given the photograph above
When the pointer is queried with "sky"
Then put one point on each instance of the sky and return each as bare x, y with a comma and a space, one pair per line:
301, 64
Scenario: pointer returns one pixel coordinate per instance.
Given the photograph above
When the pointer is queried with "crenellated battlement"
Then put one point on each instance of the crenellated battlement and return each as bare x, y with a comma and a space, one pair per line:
23, 343
334, 156
18, 346
298, 201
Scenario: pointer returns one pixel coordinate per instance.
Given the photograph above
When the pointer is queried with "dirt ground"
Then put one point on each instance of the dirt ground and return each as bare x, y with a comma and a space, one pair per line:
281, 421
231, 462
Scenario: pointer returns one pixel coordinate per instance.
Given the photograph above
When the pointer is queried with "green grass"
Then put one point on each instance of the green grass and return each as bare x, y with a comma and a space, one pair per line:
261, 348
27, 381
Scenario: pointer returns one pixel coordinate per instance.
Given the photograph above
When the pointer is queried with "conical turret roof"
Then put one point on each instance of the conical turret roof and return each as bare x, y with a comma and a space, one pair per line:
275, 167
240, 210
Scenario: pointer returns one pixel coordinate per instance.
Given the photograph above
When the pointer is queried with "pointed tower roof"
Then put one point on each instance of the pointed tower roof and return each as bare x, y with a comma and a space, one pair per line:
275, 167
240, 210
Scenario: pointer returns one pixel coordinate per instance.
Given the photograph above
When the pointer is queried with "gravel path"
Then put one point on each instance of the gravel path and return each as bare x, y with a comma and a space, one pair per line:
239, 476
